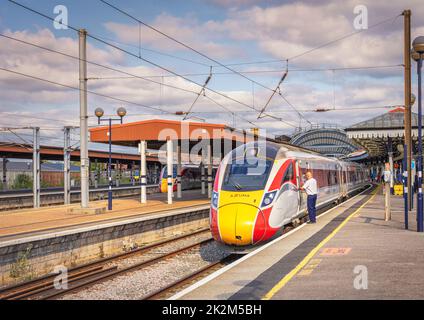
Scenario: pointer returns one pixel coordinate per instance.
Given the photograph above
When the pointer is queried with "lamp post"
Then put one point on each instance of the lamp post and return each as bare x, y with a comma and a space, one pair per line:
121, 112
414, 181
417, 55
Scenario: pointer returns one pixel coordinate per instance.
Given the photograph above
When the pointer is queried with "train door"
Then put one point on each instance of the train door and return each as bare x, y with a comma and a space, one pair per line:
298, 185
286, 204
339, 179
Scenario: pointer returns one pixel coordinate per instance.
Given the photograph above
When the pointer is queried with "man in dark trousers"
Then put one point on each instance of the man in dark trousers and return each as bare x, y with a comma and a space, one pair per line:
311, 189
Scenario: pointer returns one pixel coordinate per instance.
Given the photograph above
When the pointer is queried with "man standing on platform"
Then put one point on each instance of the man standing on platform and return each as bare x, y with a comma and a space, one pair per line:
311, 189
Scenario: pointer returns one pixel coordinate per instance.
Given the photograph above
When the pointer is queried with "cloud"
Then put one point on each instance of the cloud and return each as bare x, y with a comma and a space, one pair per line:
22, 96
187, 30
257, 31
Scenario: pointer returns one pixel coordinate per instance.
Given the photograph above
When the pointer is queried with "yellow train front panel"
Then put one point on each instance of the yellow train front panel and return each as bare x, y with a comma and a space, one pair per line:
237, 213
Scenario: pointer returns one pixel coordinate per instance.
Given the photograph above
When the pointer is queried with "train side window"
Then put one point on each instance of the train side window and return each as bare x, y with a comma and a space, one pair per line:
289, 173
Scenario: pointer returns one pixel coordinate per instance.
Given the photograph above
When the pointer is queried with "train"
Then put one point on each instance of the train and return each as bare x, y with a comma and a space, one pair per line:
190, 177
256, 190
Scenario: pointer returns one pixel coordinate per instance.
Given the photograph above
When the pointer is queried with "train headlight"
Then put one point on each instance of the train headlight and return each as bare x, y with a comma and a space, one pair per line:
268, 198
215, 200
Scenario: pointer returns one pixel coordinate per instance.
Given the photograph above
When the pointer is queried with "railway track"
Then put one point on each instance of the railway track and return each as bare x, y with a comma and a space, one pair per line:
95, 272
190, 278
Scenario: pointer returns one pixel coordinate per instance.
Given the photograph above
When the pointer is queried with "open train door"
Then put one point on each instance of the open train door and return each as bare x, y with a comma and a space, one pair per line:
298, 185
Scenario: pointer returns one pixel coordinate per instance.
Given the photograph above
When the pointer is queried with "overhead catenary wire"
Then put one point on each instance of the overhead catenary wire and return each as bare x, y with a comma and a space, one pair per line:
199, 94
153, 51
63, 120
131, 75
232, 70
134, 55
264, 71
272, 95
78, 89
227, 67
185, 45
90, 62
325, 44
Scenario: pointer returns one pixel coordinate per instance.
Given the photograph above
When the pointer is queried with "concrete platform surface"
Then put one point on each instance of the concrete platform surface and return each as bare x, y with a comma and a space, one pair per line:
35, 221
351, 253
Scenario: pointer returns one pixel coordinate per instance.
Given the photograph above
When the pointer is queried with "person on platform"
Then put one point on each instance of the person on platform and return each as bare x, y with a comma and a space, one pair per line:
311, 189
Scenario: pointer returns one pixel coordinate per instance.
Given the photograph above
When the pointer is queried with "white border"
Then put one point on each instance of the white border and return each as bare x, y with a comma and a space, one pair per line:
251, 254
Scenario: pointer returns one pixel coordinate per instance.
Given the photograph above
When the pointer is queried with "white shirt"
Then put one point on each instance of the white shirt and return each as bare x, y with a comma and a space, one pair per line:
310, 187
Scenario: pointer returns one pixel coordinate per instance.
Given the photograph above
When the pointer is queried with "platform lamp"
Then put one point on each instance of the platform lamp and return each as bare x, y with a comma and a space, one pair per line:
417, 54
121, 112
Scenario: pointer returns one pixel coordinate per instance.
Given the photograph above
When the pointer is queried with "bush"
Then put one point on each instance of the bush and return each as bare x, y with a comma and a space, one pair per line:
22, 181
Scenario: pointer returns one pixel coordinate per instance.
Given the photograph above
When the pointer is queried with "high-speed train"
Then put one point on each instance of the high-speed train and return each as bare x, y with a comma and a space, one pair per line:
190, 177
256, 190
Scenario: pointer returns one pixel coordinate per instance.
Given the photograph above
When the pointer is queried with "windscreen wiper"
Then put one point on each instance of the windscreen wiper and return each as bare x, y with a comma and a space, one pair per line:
236, 185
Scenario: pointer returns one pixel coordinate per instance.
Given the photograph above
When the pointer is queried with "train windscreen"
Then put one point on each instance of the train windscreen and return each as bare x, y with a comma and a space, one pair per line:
165, 172
249, 175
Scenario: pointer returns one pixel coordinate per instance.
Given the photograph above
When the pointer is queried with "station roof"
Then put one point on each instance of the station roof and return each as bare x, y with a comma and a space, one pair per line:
157, 131
24, 151
324, 139
373, 134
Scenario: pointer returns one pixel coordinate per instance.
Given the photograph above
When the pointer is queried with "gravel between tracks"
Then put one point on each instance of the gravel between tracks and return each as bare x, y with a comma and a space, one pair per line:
136, 284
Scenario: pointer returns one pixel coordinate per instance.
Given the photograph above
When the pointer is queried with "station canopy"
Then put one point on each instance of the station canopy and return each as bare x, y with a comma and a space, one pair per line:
156, 132
376, 133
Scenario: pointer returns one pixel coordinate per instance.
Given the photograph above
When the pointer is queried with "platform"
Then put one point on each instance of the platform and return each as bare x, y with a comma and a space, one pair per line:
25, 222
33, 242
351, 253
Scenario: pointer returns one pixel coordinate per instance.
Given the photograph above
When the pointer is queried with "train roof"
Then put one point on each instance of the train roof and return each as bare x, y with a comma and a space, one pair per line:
278, 151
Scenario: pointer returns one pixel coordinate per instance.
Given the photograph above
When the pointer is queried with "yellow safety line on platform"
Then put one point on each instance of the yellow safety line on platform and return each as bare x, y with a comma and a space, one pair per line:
311, 254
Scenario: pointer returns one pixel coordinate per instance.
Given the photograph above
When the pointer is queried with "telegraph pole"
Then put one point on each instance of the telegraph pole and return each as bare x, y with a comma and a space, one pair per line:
83, 116
407, 90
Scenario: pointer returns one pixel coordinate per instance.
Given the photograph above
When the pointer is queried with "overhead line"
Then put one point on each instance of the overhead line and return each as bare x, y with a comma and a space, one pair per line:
154, 51
262, 71
184, 45
78, 89
90, 62
342, 38
317, 47
130, 53
95, 63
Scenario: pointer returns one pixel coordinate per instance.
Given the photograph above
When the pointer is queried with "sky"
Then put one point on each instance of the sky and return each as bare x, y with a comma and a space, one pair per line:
316, 40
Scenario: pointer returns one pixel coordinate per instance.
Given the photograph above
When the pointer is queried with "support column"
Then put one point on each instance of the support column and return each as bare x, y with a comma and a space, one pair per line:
170, 169
132, 173
143, 180
96, 174
36, 167
179, 168
83, 117
117, 173
405, 185
407, 93
4, 181
67, 165
202, 171
390, 153
209, 170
